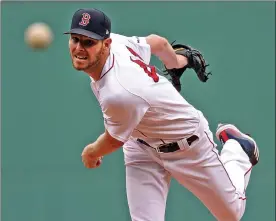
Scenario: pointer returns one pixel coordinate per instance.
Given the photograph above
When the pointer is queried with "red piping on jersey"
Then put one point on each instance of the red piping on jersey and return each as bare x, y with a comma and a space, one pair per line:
109, 68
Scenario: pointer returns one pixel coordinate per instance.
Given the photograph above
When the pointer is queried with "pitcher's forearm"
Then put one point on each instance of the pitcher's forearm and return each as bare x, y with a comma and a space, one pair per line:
104, 145
161, 48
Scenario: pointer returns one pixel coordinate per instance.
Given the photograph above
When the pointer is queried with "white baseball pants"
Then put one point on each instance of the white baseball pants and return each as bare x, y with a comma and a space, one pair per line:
219, 181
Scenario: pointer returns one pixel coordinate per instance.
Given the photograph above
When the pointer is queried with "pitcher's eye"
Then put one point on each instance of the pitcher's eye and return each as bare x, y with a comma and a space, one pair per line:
88, 43
75, 40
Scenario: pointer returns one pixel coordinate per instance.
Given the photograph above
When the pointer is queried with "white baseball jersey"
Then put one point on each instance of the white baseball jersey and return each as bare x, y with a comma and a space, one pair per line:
133, 104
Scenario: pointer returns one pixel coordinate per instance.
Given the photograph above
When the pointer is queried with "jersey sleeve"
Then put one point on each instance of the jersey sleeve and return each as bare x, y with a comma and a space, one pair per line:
122, 115
137, 44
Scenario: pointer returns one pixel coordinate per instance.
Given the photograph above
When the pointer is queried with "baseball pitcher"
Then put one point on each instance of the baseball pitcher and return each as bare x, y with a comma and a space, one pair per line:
162, 135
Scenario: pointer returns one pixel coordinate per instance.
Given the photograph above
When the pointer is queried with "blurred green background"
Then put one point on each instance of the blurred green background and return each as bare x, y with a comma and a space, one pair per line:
49, 112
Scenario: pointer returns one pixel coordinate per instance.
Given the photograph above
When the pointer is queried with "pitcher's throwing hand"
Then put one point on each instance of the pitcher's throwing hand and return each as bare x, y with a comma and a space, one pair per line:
88, 160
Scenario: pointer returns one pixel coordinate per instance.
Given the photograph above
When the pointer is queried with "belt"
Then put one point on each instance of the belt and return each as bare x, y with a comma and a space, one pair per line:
170, 147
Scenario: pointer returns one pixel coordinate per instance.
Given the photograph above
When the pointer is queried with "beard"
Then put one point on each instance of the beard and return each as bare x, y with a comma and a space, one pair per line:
88, 65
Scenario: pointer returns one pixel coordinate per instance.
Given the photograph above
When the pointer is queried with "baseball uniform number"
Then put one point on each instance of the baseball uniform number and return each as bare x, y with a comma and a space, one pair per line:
150, 70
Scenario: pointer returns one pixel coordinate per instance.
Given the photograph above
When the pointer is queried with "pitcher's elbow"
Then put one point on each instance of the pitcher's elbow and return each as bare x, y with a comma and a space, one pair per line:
157, 43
